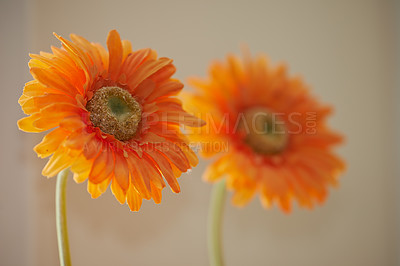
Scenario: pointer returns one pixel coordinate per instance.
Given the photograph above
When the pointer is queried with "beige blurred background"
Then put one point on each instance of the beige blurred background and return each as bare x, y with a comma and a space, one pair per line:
346, 50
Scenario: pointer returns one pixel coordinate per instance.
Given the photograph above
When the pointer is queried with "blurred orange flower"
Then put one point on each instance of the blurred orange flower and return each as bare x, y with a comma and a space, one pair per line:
115, 118
268, 133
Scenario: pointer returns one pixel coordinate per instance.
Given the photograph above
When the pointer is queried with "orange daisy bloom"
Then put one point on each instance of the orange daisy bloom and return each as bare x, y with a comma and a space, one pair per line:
115, 118
268, 133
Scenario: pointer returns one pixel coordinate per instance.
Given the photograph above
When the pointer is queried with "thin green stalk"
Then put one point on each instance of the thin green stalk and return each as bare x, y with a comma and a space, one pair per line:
215, 215
61, 218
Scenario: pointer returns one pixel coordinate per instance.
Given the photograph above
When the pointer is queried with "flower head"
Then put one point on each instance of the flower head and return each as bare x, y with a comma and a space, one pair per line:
268, 134
114, 117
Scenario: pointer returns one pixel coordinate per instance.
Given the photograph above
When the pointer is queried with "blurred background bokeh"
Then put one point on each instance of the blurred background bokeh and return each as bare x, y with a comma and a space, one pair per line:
347, 51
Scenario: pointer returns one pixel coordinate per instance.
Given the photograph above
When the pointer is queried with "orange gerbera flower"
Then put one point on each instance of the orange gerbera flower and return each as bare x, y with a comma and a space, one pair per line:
115, 118
268, 132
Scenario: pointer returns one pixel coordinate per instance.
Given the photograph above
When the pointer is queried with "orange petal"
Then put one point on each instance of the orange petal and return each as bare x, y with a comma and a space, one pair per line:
77, 140
35, 104
242, 196
23, 99
95, 190
118, 192
126, 48
27, 123
59, 161
52, 79
265, 198
72, 123
163, 74
115, 53
168, 88
274, 182
76, 54
92, 189
285, 204
103, 166
192, 157
92, 148
90, 49
81, 168
137, 178
217, 169
176, 171
35, 63
34, 88
46, 123
121, 171
145, 88
153, 173
61, 67
134, 199
50, 142
169, 104
103, 54
147, 69
102, 187
67, 60
28, 105
298, 188
56, 112
156, 193
314, 186
133, 60
150, 137
181, 118
175, 155
165, 168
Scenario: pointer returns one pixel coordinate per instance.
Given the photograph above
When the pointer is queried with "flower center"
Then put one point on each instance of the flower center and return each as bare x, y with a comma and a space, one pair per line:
266, 133
115, 112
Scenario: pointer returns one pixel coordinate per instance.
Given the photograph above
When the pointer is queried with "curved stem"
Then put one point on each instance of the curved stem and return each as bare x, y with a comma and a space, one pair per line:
215, 224
61, 218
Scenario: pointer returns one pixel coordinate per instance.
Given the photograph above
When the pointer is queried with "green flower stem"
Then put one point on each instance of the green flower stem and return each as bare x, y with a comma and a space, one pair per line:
215, 224
61, 218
